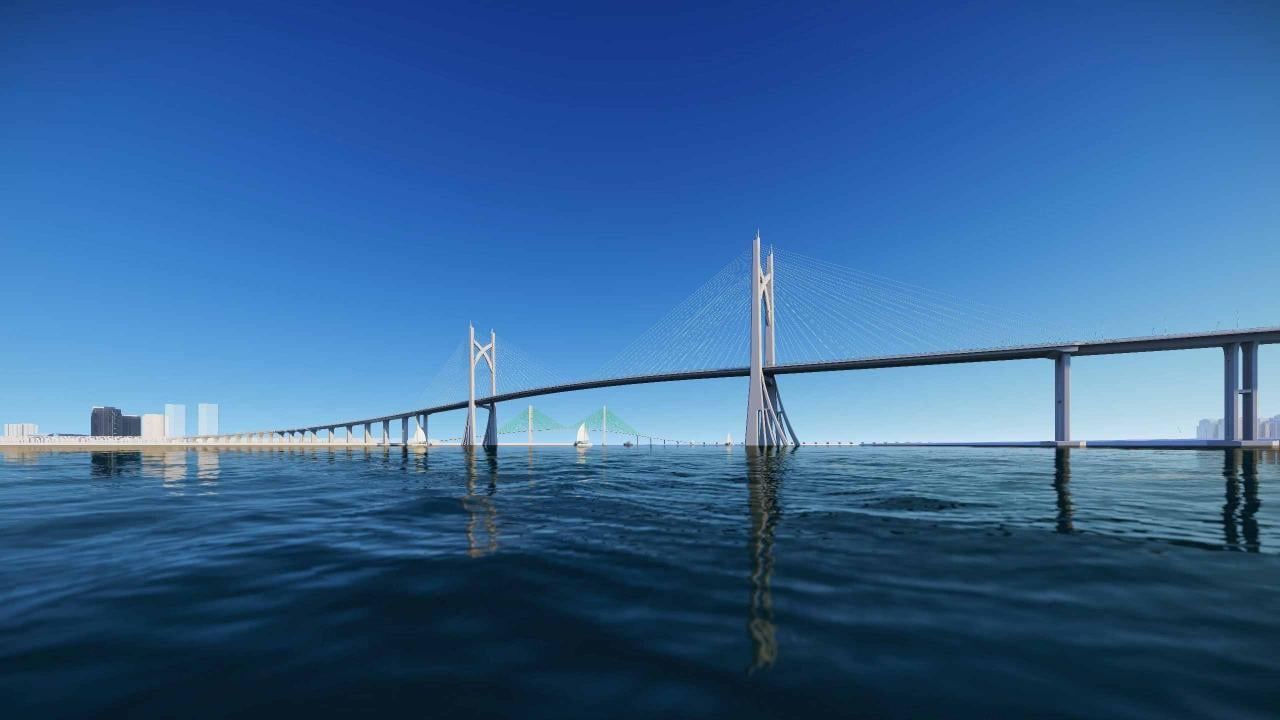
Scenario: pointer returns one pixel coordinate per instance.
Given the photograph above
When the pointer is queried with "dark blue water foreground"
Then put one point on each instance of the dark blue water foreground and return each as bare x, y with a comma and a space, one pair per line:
690, 582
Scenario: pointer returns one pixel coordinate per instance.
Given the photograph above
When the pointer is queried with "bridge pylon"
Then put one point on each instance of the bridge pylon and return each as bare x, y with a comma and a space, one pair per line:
488, 353
767, 422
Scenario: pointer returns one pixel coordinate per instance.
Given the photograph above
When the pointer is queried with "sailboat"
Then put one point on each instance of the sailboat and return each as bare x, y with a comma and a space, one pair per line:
583, 440
728, 439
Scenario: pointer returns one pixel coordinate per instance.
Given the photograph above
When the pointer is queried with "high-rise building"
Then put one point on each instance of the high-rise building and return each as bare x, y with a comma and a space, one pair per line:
131, 425
105, 421
1204, 430
1270, 429
17, 430
153, 426
207, 419
175, 420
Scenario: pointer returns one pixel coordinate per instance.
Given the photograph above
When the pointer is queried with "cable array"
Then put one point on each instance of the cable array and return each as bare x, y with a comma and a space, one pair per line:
706, 330
824, 312
831, 312
517, 370
449, 382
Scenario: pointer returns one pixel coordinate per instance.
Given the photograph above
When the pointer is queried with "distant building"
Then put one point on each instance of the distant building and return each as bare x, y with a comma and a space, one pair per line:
1204, 430
207, 419
175, 420
153, 426
131, 425
105, 421
16, 430
1270, 429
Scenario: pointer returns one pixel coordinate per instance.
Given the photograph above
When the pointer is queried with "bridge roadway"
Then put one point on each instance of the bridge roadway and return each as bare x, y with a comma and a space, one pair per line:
1155, 343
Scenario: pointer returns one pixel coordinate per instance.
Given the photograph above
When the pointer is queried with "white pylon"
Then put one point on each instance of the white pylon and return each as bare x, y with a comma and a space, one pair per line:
488, 353
767, 424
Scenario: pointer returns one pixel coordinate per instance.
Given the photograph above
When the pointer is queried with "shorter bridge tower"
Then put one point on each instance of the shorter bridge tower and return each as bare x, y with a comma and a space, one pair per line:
767, 423
477, 352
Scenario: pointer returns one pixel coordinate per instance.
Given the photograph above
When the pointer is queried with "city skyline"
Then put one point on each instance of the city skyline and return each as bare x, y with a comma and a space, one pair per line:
1267, 428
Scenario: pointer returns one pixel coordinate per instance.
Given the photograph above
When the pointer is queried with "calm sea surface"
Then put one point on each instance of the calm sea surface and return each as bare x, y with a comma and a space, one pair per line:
637, 582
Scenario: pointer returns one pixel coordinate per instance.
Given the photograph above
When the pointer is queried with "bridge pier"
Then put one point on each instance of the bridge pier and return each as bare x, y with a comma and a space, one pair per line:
1231, 391
767, 425
1249, 393
404, 431
491, 428
1062, 397
489, 353
368, 433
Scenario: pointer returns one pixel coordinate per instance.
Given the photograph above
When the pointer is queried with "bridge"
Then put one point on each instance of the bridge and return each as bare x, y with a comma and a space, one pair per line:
767, 422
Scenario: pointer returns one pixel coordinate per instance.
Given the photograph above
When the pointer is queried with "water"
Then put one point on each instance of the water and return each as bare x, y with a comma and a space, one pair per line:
691, 582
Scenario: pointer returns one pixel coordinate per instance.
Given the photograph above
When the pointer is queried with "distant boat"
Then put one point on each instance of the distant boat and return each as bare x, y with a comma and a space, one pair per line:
627, 444
728, 439
583, 440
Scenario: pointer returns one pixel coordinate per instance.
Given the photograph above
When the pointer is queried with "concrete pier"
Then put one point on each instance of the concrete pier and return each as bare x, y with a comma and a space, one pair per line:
1231, 391
1062, 398
1249, 393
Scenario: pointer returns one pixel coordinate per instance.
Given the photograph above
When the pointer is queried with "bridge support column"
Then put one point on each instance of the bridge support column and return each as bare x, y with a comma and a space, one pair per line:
489, 353
767, 424
491, 428
1249, 393
368, 433
404, 431
1231, 391
1062, 397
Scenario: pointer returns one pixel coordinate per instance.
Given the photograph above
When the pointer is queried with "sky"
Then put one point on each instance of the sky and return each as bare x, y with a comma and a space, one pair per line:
294, 211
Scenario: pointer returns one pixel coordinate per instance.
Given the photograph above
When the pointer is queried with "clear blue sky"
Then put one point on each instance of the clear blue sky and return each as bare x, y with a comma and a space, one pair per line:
295, 211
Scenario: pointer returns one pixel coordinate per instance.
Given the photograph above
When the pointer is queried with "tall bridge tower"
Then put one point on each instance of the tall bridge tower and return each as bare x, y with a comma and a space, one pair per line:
489, 353
767, 423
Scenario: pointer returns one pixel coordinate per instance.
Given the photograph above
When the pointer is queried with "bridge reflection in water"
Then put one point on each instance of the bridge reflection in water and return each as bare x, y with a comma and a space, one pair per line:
1239, 510
764, 475
1239, 519
482, 513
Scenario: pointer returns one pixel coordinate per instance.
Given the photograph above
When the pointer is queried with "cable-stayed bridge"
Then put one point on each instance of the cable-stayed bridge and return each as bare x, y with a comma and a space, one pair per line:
764, 316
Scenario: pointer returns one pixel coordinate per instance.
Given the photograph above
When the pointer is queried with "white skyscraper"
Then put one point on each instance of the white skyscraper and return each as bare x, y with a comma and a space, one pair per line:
153, 426
175, 420
207, 419
1204, 430
16, 430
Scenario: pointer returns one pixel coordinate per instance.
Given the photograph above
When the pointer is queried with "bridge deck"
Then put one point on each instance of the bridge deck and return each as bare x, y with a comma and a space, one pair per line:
1155, 343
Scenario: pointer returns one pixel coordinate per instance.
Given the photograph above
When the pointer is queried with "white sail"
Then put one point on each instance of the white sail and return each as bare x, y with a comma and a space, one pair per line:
582, 436
728, 438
